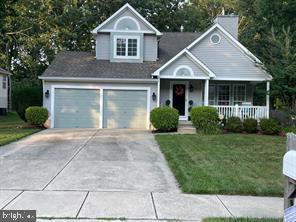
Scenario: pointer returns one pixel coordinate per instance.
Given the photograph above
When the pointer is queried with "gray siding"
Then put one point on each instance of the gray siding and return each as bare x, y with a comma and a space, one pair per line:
183, 60
3, 93
77, 108
125, 109
226, 60
150, 48
103, 46
110, 25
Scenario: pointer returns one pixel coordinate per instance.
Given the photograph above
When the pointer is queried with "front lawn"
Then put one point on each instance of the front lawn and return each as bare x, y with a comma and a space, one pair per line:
226, 164
241, 220
13, 128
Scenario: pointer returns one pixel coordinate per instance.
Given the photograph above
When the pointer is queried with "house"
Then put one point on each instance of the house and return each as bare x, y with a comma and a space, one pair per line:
136, 68
4, 91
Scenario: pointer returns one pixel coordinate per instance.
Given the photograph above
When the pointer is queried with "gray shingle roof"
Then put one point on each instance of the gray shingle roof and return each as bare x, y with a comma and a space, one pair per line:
84, 64
3, 71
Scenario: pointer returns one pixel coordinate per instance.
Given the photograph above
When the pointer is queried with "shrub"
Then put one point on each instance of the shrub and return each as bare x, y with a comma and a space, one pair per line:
165, 118
270, 126
24, 97
205, 119
250, 125
36, 115
234, 124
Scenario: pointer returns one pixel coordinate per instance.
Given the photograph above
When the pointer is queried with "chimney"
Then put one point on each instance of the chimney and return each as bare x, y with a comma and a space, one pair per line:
229, 23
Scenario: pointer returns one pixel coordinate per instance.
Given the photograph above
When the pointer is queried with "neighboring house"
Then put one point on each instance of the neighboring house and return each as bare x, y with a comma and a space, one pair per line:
4, 91
136, 68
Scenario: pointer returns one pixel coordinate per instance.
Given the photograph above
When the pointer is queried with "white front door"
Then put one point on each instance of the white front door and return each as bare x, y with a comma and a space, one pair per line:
179, 98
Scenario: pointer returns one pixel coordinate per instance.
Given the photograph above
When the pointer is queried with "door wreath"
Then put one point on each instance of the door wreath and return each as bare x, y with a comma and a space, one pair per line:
179, 90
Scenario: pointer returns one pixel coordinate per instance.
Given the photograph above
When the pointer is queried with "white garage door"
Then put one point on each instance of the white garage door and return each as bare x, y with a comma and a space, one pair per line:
76, 108
125, 109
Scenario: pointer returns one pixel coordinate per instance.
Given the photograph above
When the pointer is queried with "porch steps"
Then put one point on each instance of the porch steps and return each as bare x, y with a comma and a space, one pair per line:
186, 127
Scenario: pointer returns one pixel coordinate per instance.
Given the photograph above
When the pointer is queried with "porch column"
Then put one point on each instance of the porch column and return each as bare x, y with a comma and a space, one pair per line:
267, 97
158, 92
206, 93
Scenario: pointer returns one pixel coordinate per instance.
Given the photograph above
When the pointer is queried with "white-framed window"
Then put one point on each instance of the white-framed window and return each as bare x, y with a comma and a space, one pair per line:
223, 92
212, 93
4, 82
127, 47
239, 94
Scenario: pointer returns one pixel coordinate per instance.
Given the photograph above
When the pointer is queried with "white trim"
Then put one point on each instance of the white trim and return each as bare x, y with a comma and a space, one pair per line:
74, 79
127, 17
101, 88
158, 92
215, 43
267, 97
126, 37
239, 79
126, 31
186, 83
180, 77
183, 67
95, 31
192, 57
206, 93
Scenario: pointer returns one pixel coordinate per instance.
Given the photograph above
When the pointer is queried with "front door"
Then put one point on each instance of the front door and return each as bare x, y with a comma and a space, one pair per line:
179, 98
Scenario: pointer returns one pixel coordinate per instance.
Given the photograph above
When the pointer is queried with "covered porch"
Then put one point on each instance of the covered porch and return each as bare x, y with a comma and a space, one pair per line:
230, 98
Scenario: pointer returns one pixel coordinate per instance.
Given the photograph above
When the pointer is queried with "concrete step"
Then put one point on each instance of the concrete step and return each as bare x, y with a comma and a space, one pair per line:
186, 127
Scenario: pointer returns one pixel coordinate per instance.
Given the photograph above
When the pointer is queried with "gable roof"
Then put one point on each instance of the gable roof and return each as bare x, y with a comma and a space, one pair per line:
84, 64
3, 71
126, 6
233, 40
193, 59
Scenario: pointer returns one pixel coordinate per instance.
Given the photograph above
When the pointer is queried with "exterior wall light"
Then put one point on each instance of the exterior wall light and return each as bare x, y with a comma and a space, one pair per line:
153, 96
46, 94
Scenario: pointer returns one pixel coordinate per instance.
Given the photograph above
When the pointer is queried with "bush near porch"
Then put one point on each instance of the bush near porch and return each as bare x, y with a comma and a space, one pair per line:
226, 164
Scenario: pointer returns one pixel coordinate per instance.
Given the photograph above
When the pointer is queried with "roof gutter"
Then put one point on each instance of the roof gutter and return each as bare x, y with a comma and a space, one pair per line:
74, 79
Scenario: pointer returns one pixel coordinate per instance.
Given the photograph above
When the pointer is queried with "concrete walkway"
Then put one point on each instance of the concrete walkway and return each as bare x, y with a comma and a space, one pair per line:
139, 205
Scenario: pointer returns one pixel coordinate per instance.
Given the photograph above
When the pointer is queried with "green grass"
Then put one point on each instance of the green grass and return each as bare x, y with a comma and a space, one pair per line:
226, 164
241, 220
12, 128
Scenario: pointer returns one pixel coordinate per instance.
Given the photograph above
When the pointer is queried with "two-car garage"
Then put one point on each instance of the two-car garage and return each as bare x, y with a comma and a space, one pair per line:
100, 108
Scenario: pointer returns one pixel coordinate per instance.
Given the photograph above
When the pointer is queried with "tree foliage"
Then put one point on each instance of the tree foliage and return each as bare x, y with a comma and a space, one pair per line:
33, 31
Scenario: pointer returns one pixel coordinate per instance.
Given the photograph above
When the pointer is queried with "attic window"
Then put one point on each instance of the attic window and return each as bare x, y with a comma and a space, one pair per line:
126, 47
183, 71
215, 39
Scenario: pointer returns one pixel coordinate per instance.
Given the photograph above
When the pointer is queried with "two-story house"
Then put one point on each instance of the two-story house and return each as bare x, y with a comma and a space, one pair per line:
136, 68
4, 91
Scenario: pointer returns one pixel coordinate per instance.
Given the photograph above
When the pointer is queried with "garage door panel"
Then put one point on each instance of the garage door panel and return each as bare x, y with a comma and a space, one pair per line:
77, 108
125, 109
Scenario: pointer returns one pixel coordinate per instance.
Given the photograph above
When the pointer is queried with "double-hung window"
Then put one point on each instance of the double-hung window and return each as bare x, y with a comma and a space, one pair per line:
223, 94
212, 96
4, 82
239, 94
126, 47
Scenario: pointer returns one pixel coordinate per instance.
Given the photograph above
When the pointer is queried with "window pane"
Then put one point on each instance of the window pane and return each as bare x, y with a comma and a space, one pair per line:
132, 47
212, 95
223, 95
120, 47
4, 82
239, 94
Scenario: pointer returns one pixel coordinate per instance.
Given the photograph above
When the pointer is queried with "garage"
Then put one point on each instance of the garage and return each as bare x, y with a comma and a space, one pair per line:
125, 109
76, 108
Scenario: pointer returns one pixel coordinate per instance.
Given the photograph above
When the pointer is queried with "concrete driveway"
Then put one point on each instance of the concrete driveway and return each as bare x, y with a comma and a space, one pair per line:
86, 160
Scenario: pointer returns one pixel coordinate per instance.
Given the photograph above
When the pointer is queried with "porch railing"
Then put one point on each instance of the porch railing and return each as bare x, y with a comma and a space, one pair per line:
243, 112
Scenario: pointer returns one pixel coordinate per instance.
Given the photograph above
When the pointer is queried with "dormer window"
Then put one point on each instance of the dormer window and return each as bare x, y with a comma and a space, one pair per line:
127, 47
